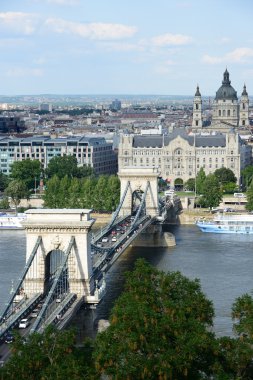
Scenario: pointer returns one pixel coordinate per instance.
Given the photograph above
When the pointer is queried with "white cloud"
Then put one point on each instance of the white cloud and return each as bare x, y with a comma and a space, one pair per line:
93, 31
239, 55
64, 2
24, 23
24, 72
123, 46
171, 39
224, 40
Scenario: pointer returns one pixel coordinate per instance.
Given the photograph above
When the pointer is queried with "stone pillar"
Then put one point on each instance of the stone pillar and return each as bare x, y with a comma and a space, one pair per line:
56, 227
138, 178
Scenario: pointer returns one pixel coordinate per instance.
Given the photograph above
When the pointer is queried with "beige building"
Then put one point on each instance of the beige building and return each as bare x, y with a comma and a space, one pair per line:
179, 156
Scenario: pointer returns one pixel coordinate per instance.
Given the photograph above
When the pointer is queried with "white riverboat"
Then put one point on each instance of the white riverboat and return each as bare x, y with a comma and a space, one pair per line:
228, 224
12, 221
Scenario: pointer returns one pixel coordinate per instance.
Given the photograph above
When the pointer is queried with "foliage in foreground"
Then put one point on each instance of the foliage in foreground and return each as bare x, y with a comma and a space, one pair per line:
160, 328
48, 356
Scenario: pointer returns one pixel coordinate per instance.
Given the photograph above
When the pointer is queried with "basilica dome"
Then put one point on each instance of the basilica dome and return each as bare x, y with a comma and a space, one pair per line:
226, 91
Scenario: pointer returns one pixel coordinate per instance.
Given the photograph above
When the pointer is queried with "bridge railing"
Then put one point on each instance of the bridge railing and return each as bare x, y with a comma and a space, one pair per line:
52, 290
13, 319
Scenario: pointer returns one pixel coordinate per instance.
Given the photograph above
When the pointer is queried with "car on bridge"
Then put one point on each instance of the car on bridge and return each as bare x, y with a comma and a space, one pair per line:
24, 323
9, 338
114, 238
105, 240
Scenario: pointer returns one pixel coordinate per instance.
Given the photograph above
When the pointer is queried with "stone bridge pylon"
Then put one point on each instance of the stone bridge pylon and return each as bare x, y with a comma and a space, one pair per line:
56, 228
138, 179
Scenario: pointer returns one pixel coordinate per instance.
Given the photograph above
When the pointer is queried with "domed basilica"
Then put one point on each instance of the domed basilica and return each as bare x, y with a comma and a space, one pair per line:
227, 110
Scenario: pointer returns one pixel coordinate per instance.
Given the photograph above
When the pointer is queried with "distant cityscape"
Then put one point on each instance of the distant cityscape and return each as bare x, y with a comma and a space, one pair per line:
177, 134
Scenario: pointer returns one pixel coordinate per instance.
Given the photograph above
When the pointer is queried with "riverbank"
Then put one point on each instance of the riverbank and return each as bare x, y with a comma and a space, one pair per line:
186, 217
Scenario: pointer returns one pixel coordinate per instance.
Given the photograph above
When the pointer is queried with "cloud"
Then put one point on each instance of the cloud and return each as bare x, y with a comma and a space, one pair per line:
64, 2
20, 22
239, 55
93, 31
24, 72
123, 46
164, 67
169, 39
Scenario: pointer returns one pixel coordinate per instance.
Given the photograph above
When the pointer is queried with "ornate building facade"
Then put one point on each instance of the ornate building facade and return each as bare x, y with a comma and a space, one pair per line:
227, 110
179, 156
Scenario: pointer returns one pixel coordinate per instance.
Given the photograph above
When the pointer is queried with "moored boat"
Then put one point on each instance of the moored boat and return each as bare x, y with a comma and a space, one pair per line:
228, 224
11, 221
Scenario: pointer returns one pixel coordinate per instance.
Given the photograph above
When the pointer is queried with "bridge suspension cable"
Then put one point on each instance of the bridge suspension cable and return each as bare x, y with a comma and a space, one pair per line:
21, 279
141, 207
116, 213
53, 287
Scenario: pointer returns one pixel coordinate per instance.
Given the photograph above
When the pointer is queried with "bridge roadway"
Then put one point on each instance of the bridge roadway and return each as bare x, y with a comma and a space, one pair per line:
111, 243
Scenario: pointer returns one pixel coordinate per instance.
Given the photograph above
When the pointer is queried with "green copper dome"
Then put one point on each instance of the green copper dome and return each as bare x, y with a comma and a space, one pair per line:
226, 91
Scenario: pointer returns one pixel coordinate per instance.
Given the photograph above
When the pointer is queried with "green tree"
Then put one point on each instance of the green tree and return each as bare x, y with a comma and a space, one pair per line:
101, 193
51, 194
224, 176
17, 190
4, 180
113, 193
229, 187
62, 166
51, 355
28, 171
190, 184
212, 194
158, 329
200, 179
4, 203
247, 176
87, 191
74, 189
63, 192
85, 171
249, 193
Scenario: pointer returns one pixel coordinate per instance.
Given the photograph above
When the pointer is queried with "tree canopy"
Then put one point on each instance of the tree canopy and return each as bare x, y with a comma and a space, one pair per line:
66, 166
200, 179
212, 194
224, 176
249, 193
100, 193
247, 176
17, 190
160, 328
28, 171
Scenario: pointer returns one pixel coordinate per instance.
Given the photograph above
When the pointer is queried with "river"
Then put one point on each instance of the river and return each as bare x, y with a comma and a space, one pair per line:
223, 263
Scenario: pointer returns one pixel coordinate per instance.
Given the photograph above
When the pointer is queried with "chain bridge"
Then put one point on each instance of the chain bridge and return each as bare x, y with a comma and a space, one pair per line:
66, 264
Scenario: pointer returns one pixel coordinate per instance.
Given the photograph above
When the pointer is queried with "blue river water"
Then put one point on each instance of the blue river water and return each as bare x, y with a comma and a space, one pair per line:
223, 263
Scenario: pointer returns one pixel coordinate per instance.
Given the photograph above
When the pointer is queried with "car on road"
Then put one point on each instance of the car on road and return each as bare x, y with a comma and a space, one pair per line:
9, 338
24, 323
34, 313
114, 238
105, 240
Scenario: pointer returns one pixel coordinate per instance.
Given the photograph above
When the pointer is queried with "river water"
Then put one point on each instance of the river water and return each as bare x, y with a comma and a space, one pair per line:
223, 263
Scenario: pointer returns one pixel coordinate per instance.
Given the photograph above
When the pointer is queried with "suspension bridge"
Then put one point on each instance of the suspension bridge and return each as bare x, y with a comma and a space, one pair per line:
66, 264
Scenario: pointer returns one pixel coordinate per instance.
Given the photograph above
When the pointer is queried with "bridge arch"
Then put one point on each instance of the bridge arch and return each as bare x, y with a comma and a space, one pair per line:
137, 180
57, 227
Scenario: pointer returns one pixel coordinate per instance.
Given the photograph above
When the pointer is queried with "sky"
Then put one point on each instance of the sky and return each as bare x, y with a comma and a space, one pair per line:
160, 47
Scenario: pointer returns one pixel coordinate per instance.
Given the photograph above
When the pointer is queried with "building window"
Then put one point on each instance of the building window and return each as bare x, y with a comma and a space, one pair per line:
228, 112
196, 123
219, 112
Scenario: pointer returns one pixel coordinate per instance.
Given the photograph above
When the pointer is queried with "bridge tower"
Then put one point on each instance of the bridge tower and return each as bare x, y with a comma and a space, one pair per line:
137, 179
56, 229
